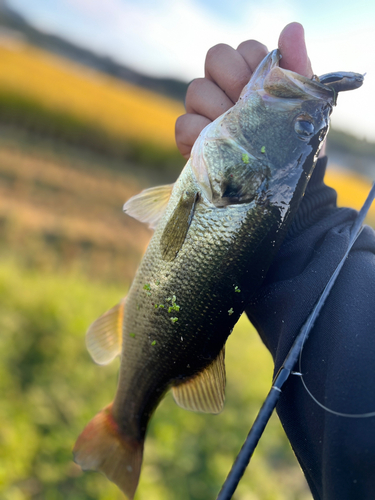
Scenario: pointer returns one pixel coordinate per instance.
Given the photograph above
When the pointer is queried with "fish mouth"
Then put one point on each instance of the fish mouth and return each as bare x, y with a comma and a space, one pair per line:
269, 78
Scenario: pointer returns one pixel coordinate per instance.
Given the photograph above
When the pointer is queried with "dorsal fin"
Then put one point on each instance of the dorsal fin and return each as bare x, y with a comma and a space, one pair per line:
176, 228
204, 392
104, 336
149, 205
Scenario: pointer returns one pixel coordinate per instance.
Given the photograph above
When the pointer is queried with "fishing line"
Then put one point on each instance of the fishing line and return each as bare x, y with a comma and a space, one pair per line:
355, 232
338, 413
256, 431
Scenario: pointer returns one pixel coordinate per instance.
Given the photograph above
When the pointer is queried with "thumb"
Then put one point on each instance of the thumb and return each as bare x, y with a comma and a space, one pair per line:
293, 50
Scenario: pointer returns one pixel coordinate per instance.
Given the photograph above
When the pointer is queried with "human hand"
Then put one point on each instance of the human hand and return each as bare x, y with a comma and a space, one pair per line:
227, 71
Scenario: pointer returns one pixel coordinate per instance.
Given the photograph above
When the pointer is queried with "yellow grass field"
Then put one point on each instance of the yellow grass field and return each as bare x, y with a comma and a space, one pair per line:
119, 108
79, 209
352, 189
67, 254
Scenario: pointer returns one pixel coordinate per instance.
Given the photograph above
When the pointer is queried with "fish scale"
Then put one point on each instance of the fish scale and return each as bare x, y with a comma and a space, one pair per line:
217, 230
199, 312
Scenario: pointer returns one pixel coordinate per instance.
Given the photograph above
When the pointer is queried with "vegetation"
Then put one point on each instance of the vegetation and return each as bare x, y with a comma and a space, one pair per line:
67, 254
352, 190
51, 388
58, 211
58, 99
347, 143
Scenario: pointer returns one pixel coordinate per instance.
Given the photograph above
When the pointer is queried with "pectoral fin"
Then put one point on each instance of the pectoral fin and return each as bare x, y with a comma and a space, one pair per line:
104, 336
149, 205
177, 227
206, 391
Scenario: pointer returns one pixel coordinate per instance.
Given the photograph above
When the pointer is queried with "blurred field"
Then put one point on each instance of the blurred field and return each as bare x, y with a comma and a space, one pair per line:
58, 211
67, 254
64, 211
352, 189
49, 95
118, 107
51, 389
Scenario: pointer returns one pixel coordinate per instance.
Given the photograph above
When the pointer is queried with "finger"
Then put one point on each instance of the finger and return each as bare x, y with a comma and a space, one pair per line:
228, 69
187, 129
293, 50
205, 98
253, 53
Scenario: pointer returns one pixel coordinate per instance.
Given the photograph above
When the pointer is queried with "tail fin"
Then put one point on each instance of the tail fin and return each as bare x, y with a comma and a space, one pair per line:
102, 447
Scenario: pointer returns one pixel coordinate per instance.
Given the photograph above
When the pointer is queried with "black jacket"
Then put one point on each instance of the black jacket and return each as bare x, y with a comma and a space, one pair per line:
337, 454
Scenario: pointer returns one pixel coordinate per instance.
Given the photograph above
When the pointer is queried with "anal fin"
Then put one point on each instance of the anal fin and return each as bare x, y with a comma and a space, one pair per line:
103, 447
205, 392
104, 336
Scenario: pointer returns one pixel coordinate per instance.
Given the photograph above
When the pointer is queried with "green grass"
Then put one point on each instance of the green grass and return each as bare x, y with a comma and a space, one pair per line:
67, 254
51, 389
25, 113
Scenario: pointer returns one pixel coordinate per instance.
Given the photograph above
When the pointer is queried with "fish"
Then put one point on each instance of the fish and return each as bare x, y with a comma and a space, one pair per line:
217, 230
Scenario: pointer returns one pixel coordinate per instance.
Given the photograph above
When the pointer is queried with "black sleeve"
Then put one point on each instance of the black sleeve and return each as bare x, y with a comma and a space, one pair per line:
336, 453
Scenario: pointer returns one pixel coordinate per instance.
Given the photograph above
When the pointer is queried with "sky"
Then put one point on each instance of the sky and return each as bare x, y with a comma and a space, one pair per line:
171, 37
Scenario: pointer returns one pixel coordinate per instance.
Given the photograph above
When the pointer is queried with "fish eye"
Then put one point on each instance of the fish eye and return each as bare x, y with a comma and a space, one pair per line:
304, 129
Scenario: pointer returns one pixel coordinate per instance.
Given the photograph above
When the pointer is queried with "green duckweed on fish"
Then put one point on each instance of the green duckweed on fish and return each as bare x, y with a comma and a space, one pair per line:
217, 230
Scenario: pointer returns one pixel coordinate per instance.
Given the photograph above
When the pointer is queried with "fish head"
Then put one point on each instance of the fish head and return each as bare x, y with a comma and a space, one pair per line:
285, 115
268, 141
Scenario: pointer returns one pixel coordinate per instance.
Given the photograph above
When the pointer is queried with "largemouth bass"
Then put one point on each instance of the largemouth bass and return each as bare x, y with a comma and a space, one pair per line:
217, 230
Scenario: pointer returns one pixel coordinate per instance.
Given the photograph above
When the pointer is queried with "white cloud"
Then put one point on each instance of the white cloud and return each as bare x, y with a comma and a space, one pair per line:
171, 38
349, 48
99, 10
182, 32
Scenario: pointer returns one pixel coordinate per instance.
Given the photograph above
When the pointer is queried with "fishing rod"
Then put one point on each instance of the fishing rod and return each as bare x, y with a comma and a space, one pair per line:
260, 423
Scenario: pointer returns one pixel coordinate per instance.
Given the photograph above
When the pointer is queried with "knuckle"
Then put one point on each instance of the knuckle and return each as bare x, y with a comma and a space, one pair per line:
216, 52
194, 88
253, 45
179, 128
236, 82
